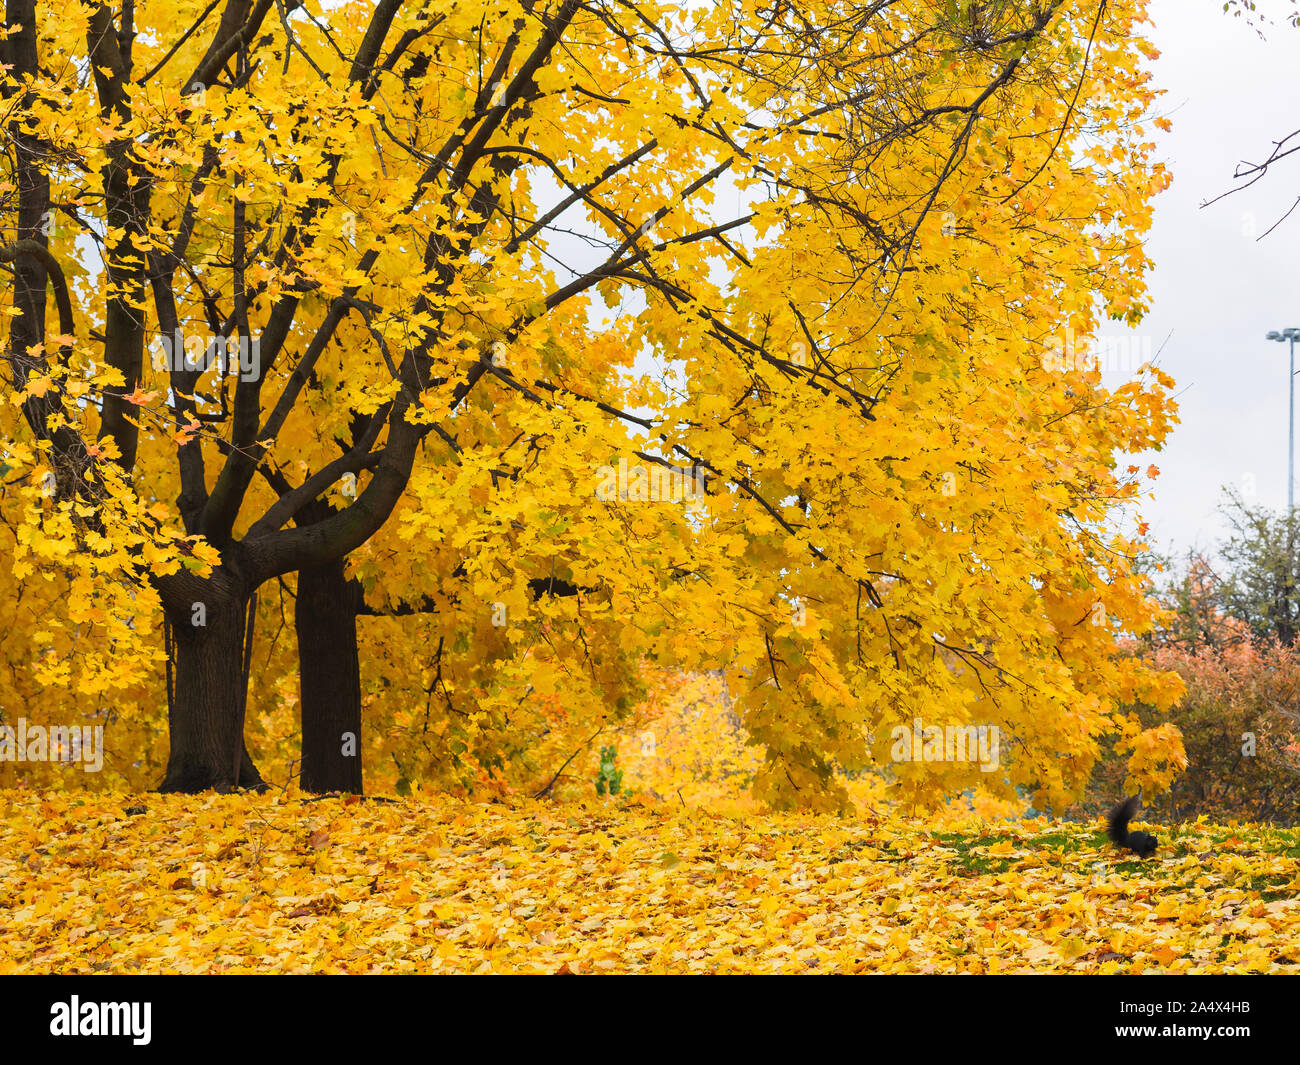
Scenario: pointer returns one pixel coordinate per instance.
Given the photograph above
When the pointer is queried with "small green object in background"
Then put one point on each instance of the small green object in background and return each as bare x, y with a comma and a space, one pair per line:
610, 777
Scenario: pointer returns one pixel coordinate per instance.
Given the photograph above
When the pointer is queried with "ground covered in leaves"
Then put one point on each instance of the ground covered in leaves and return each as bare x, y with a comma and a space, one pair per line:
270, 884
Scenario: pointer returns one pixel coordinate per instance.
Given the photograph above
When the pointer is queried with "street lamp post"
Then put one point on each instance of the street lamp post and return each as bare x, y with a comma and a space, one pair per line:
1291, 335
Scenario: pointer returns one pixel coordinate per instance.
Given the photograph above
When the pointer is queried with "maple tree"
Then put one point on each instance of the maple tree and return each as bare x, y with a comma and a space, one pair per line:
460, 258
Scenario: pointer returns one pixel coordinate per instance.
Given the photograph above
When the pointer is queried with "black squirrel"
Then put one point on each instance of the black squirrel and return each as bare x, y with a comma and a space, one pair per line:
1143, 843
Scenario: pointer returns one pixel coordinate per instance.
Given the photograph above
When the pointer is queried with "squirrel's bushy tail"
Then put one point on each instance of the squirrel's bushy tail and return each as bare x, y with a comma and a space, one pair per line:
1117, 823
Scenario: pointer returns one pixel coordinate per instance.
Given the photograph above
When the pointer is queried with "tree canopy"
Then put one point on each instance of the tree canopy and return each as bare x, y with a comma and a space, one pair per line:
405, 287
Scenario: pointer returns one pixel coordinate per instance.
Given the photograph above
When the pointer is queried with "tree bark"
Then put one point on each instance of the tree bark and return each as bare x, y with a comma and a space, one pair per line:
205, 719
329, 671
329, 676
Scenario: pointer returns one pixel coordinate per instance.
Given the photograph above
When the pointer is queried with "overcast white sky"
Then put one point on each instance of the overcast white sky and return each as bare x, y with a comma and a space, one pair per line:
1216, 290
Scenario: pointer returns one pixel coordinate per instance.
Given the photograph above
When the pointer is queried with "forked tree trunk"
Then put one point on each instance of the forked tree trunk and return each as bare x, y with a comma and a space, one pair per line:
329, 675
207, 711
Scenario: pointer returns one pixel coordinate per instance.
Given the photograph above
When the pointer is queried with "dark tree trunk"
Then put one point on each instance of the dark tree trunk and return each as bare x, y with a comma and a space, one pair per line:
329, 674
207, 711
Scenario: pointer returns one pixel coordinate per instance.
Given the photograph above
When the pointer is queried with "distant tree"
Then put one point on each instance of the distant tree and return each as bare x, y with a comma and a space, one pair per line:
1244, 590
1194, 601
1260, 565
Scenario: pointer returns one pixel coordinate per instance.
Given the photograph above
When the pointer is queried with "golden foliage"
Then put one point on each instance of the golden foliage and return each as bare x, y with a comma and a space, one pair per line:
248, 883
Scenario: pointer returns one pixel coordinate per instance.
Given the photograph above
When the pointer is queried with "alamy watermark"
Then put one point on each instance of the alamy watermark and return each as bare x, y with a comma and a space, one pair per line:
77, 1018
196, 353
66, 744
650, 483
953, 743
1110, 355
